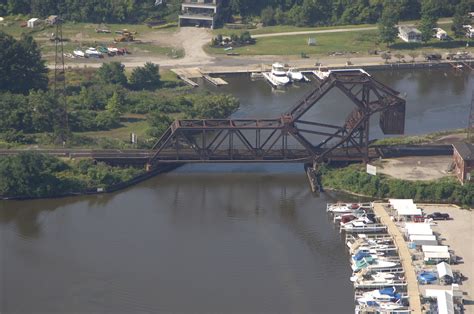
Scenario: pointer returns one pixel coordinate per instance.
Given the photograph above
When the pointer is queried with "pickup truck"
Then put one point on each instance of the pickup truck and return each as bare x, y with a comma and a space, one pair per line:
438, 216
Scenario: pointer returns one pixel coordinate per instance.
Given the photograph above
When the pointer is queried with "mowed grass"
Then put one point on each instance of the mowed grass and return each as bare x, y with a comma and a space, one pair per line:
284, 29
130, 123
84, 35
355, 42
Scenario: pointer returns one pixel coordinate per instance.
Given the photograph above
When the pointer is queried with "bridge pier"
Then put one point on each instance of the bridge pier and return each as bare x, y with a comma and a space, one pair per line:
313, 172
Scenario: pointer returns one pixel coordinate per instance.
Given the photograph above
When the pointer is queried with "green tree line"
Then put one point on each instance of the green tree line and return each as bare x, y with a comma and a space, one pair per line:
330, 12
355, 179
96, 11
35, 175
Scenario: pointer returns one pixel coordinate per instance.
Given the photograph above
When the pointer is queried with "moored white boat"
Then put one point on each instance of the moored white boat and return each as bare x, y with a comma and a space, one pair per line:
361, 226
296, 76
277, 77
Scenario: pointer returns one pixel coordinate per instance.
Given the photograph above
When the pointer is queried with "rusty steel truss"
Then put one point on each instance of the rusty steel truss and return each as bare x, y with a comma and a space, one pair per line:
289, 138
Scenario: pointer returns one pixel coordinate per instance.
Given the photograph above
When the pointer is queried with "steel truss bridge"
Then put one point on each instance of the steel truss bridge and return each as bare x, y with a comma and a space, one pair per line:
289, 138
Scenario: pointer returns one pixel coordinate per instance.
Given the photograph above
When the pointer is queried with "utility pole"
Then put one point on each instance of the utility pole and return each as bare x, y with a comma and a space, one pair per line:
61, 128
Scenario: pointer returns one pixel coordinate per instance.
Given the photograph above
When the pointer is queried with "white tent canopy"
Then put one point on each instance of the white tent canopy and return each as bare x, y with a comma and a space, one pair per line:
418, 228
444, 270
435, 248
405, 207
423, 239
437, 255
444, 299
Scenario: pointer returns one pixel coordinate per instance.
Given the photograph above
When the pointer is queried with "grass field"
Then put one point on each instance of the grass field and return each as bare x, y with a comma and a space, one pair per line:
356, 43
85, 35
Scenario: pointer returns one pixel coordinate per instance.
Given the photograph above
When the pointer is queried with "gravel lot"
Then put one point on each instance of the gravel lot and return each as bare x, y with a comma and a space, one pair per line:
458, 234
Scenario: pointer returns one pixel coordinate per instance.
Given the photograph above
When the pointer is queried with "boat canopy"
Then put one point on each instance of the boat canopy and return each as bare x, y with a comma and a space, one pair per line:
444, 298
444, 270
405, 207
427, 277
418, 228
437, 255
435, 248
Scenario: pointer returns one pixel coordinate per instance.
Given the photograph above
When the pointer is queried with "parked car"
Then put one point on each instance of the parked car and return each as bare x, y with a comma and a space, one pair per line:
433, 56
438, 216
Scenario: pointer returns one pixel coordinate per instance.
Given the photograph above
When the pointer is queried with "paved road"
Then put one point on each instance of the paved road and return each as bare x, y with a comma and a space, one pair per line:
337, 30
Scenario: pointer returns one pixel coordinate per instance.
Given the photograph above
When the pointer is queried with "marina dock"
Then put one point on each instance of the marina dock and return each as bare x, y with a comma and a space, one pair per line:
405, 257
217, 81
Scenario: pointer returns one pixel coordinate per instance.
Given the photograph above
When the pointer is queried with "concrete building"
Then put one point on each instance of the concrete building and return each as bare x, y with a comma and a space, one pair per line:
34, 22
199, 13
409, 34
464, 161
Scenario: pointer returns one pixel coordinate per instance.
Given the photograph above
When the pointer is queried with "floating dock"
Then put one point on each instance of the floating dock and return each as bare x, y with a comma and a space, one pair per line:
217, 81
186, 74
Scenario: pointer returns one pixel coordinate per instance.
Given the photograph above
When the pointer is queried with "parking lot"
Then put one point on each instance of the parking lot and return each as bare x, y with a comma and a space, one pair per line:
458, 234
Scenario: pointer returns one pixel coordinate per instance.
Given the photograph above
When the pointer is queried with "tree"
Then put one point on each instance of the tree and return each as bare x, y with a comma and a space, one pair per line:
386, 56
115, 106
460, 18
429, 17
146, 77
413, 55
399, 56
21, 66
112, 73
30, 175
158, 124
427, 24
387, 24
268, 16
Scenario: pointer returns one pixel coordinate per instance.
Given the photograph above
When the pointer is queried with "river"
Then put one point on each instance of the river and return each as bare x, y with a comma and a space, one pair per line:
204, 238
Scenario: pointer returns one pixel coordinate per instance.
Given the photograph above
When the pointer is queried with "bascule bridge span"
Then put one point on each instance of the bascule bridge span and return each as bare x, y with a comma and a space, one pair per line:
290, 137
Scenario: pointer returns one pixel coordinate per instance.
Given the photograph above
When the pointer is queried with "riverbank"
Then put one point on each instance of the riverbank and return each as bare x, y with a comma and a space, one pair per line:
354, 179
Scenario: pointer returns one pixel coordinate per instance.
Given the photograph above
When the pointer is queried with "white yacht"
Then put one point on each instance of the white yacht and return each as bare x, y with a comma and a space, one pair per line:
277, 77
296, 76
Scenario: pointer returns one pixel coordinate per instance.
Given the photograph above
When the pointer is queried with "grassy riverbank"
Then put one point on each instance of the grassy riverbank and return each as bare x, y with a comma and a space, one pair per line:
349, 42
354, 179
459, 134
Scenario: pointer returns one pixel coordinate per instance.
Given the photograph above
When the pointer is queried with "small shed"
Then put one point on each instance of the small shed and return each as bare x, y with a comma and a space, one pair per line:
409, 34
418, 229
464, 161
440, 33
444, 298
52, 19
419, 240
311, 41
34, 22
435, 248
445, 273
437, 257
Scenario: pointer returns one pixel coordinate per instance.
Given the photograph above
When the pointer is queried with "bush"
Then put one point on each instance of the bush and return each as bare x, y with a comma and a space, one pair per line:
355, 179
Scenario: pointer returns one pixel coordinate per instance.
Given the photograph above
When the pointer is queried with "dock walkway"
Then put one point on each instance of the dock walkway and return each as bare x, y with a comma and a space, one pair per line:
405, 257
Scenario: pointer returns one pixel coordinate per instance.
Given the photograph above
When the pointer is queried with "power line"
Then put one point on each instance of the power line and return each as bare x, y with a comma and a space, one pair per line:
62, 127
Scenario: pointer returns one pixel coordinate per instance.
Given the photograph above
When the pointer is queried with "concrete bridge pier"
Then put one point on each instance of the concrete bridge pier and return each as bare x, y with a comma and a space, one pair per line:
313, 172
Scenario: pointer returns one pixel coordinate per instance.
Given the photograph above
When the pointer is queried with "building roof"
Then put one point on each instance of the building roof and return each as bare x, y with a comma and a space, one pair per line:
444, 299
33, 19
444, 270
466, 150
408, 29
418, 228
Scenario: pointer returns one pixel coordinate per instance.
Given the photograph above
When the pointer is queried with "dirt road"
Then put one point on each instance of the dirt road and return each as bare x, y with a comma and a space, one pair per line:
417, 168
